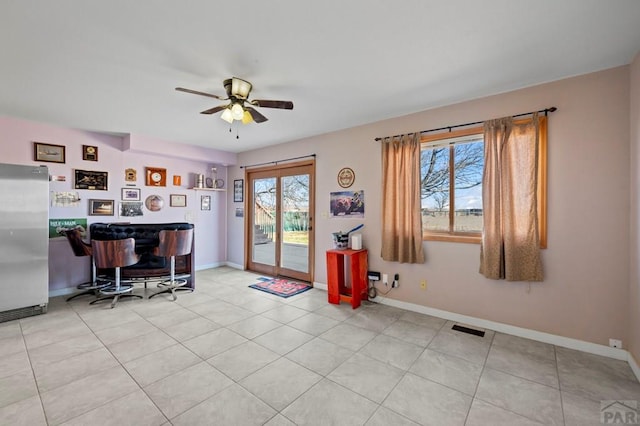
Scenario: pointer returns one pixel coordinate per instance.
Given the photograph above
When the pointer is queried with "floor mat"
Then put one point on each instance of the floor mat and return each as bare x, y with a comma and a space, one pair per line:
280, 286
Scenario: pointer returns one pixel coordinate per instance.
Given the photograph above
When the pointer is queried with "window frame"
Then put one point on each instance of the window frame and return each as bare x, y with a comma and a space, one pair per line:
473, 237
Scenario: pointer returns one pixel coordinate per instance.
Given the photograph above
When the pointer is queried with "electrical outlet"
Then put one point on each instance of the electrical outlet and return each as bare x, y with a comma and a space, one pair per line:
385, 279
423, 284
396, 281
615, 343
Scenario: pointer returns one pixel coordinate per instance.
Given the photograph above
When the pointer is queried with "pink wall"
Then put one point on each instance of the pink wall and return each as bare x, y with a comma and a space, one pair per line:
115, 154
634, 281
586, 289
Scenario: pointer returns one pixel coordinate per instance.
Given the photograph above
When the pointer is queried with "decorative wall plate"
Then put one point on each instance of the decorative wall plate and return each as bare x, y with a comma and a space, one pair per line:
346, 177
154, 203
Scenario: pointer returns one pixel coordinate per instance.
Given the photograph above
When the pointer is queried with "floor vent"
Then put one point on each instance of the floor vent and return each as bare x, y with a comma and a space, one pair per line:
468, 330
23, 312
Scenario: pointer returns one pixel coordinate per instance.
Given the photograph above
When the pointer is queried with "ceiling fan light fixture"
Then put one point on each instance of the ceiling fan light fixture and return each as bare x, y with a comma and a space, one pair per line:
227, 115
240, 87
247, 118
237, 112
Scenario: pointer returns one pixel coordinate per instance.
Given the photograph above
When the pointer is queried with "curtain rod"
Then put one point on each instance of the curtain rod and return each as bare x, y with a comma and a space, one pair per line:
546, 111
278, 161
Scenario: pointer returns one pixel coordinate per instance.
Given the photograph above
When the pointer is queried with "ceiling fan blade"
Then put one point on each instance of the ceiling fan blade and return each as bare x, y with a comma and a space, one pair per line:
257, 117
266, 103
195, 92
214, 109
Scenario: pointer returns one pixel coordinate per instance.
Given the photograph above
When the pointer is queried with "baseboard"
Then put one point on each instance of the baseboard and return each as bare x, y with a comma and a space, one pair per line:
320, 286
210, 265
63, 291
634, 366
234, 265
565, 342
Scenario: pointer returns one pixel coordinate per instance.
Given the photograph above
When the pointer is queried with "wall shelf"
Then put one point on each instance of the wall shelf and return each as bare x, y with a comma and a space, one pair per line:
195, 188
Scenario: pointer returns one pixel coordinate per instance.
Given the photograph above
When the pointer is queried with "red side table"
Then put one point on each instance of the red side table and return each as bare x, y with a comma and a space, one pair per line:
337, 288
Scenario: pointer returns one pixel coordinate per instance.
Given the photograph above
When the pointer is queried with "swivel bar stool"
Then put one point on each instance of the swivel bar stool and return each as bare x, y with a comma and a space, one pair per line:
115, 254
81, 249
173, 243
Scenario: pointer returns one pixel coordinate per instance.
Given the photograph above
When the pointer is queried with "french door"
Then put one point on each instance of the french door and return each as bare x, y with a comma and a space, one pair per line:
279, 220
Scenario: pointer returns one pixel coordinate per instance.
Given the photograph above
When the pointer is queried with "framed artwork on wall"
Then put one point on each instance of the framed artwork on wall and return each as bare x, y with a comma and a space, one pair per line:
130, 175
48, 153
88, 179
89, 153
238, 190
131, 208
130, 194
101, 207
156, 176
178, 200
205, 202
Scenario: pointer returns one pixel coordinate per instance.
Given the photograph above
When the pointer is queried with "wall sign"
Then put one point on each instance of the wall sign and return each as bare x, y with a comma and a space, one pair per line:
346, 177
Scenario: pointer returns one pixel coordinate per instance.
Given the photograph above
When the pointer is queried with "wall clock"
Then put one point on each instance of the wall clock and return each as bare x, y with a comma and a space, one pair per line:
346, 177
156, 176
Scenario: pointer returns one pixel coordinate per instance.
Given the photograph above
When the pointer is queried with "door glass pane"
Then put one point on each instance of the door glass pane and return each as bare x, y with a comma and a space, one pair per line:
264, 221
295, 222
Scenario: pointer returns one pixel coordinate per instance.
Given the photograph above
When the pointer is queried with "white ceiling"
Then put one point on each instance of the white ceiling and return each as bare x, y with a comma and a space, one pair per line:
112, 66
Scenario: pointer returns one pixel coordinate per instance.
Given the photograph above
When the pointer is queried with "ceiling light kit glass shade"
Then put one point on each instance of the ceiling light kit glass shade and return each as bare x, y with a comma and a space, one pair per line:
227, 115
236, 112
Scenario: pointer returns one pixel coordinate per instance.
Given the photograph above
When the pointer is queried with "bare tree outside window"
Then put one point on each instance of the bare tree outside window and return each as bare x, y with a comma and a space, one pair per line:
453, 208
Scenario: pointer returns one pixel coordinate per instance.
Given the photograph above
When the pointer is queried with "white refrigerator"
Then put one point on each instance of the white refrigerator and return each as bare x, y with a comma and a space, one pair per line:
24, 241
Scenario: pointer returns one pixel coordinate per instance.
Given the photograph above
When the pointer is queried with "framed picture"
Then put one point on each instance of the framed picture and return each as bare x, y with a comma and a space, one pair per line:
130, 175
131, 208
205, 202
87, 179
89, 153
238, 190
156, 176
101, 207
178, 200
130, 194
49, 153
347, 204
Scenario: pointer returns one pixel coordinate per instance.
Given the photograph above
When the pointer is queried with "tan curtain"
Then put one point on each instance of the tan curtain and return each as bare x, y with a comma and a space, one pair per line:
401, 210
510, 242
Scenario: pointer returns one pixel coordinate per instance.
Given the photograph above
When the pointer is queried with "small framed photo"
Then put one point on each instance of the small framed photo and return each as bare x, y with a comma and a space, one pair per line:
101, 207
238, 190
87, 179
205, 202
49, 153
89, 153
130, 194
178, 200
130, 175
131, 208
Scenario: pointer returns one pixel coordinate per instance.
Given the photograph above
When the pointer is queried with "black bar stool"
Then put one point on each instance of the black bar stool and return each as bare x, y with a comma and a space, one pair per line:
81, 249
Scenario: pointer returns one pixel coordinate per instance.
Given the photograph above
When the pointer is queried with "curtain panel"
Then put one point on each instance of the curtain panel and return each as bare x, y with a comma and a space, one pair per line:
510, 246
401, 202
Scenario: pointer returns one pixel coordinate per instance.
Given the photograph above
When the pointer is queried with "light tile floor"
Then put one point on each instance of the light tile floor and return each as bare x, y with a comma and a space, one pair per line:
230, 355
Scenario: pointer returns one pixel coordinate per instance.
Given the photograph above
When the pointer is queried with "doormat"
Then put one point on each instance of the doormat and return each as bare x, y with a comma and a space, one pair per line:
280, 287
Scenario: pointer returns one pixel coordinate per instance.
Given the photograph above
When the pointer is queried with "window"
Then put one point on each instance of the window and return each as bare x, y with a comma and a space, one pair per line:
451, 167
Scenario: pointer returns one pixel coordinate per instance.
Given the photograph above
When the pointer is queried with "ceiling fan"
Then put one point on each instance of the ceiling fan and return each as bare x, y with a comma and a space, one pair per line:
239, 108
